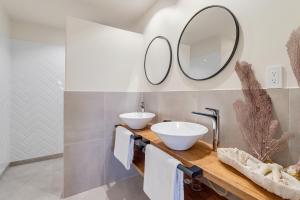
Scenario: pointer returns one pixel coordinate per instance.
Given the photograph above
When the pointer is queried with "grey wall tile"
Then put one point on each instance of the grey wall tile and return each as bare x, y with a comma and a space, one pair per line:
177, 106
83, 166
116, 103
294, 110
89, 136
222, 100
90, 119
114, 170
151, 100
294, 126
280, 100
84, 116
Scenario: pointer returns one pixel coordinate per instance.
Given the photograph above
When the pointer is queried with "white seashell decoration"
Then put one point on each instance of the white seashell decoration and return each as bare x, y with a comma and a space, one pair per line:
269, 176
294, 170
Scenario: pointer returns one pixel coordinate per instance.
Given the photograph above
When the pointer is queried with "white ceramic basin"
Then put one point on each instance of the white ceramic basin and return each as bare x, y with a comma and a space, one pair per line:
137, 120
179, 135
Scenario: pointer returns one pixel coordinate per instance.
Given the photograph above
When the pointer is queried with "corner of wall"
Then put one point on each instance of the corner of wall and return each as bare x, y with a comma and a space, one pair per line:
5, 87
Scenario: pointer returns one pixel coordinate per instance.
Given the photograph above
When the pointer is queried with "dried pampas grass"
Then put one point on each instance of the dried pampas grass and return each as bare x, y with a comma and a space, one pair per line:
293, 49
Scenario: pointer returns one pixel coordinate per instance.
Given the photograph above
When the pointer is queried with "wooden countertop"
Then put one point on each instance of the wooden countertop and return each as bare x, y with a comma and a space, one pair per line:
201, 155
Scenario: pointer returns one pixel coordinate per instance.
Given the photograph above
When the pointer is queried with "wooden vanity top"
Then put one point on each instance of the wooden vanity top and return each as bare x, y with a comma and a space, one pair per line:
201, 155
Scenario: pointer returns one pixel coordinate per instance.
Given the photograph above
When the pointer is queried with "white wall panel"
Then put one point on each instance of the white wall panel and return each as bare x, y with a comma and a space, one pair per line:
37, 99
102, 58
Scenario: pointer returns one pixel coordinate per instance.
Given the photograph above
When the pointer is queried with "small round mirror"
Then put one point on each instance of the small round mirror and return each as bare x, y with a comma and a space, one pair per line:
158, 60
208, 42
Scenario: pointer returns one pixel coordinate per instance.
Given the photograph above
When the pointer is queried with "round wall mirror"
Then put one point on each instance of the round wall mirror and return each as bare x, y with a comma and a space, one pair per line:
208, 42
158, 60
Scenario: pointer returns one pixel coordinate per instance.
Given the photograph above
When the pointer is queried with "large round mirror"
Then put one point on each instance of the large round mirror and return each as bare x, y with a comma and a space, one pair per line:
208, 42
158, 60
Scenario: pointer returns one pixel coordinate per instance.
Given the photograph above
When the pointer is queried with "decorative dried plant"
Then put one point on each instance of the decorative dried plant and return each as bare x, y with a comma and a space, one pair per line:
255, 116
293, 48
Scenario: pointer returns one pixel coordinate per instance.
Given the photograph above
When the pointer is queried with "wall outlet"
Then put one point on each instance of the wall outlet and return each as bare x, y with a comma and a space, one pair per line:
274, 76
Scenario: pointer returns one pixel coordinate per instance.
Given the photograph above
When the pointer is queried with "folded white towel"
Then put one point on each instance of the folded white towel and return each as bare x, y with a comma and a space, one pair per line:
162, 179
124, 145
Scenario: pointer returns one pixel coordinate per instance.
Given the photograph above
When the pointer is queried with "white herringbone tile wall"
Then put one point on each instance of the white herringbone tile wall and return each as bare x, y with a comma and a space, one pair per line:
37, 99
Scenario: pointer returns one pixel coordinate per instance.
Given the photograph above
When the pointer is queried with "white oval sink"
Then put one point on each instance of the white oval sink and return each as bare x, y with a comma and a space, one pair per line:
137, 120
179, 135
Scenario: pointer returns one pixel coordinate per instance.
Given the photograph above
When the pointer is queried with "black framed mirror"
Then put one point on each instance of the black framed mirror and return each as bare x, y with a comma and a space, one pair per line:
208, 42
158, 60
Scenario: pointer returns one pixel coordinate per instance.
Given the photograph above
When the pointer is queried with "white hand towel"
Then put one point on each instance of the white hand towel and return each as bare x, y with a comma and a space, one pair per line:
124, 145
162, 179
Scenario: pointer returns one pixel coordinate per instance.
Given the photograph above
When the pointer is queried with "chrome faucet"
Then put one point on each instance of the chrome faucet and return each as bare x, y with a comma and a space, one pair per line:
142, 106
215, 123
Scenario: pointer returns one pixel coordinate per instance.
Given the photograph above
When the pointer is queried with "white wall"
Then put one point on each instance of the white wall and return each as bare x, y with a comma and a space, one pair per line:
37, 62
102, 58
4, 90
36, 32
265, 29
37, 99
100, 53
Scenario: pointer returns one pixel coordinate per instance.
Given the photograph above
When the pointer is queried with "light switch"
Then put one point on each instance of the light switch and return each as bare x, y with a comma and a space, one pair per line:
274, 76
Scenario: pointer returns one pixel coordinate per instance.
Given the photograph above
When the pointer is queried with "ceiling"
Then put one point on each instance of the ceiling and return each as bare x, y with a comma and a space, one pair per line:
119, 13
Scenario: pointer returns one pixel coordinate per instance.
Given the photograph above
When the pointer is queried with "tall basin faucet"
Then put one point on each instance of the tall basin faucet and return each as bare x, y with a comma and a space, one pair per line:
214, 116
142, 106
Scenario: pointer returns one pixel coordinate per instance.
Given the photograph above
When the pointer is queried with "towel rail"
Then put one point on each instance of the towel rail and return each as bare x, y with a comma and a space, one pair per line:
191, 172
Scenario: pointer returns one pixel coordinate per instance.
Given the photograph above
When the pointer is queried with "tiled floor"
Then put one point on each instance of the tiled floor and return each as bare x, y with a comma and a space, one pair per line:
128, 189
35, 181
43, 181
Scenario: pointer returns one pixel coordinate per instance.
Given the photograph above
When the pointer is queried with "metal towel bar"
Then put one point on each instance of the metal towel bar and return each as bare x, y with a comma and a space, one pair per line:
191, 172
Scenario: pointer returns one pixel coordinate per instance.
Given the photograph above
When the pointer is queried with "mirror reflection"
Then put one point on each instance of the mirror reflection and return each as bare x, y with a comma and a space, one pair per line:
158, 60
208, 42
